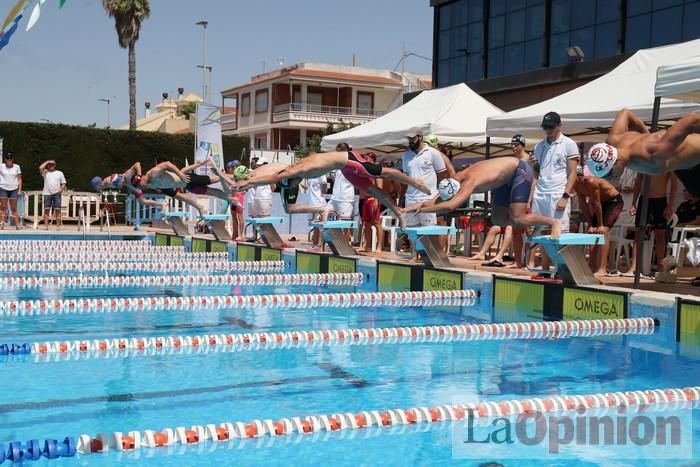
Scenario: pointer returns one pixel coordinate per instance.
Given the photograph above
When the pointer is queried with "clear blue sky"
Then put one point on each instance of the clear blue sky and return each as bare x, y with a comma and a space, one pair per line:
60, 68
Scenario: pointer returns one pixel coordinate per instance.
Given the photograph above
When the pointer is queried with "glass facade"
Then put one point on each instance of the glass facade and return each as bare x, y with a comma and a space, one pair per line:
477, 39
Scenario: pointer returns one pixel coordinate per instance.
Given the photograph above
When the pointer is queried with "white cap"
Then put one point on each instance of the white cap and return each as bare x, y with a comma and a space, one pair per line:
413, 132
601, 159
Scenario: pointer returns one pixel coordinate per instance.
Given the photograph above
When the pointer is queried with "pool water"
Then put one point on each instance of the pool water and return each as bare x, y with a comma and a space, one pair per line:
57, 397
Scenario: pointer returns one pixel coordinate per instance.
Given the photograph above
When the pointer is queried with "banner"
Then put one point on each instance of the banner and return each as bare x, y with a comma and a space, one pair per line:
209, 137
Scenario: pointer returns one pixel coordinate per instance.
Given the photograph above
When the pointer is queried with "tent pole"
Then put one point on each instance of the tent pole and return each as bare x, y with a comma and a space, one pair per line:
487, 195
646, 187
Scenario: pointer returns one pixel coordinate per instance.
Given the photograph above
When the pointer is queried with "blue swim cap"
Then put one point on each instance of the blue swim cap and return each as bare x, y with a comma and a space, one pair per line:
234, 163
96, 183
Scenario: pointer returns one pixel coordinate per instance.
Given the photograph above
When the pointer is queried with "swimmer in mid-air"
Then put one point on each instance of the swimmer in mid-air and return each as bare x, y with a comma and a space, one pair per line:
358, 170
630, 144
510, 178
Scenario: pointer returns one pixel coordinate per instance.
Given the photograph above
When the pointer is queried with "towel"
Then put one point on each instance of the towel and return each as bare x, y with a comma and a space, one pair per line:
693, 246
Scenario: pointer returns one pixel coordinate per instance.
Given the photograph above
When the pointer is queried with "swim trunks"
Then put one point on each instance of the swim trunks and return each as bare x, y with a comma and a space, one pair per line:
289, 190
611, 211
690, 178
370, 211
198, 184
655, 213
517, 191
359, 171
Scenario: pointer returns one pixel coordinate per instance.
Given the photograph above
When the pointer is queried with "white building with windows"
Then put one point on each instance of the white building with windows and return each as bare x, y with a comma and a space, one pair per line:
278, 110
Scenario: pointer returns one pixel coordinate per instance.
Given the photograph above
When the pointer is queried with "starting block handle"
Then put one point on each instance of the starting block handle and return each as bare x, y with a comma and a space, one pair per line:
570, 239
335, 225
216, 217
264, 220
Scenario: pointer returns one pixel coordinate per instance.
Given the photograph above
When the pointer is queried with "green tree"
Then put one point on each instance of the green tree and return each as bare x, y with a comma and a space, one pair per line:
128, 16
188, 109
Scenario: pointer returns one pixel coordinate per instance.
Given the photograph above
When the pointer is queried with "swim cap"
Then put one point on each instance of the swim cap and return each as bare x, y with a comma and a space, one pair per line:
96, 183
601, 159
233, 163
241, 172
432, 140
448, 188
518, 139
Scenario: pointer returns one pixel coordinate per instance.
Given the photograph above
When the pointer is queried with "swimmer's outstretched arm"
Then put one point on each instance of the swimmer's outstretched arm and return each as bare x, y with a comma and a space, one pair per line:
457, 201
170, 167
397, 175
625, 121
133, 170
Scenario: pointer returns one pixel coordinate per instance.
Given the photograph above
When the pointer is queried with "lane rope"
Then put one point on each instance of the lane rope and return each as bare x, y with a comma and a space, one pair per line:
187, 280
120, 441
49, 257
192, 265
197, 302
334, 337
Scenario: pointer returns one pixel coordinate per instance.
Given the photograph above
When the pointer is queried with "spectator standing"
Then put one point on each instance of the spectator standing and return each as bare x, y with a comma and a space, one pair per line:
10, 189
312, 193
54, 185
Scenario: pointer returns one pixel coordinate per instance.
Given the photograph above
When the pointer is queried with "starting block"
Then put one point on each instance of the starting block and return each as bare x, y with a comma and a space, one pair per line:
332, 232
568, 256
426, 243
176, 222
265, 227
217, 224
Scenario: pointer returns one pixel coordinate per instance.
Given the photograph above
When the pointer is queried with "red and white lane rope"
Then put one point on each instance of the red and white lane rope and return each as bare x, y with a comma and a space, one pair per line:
360, 336
89, 243
112, 305
174, 281
93, 256
98, 247
383, 418
191, 265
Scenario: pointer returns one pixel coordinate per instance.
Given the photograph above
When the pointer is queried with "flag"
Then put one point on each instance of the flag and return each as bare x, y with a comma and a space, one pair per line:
209, 143
13, 14
61, 3
5, 36
34, 17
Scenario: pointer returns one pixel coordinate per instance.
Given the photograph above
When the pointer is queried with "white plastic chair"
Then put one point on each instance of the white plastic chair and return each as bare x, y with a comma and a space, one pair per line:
618, 236
678, 237
389, 224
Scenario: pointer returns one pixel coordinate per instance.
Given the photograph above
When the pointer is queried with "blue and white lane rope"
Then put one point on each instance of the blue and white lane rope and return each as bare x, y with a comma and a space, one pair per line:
336, 337
32, 282
199, 302
148, 265
94, 256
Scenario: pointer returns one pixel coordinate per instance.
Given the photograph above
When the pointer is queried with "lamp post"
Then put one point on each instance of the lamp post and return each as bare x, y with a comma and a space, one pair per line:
204, 25
108, 101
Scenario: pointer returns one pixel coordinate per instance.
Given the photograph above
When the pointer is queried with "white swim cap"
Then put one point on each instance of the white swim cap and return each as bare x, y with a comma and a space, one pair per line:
601, 159
448, 188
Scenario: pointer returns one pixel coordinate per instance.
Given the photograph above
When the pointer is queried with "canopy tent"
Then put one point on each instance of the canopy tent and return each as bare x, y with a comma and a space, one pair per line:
590, 109
679, 81
455, 114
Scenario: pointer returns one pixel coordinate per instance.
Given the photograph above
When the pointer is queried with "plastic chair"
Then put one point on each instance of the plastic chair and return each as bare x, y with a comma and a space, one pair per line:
618, 237
389, 224
678, 237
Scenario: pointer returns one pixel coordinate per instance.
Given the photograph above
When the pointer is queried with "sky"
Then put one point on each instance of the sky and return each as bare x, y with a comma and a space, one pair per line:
70, 59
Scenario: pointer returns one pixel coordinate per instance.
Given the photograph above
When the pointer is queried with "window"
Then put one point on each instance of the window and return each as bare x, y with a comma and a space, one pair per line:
459, 41
590, 25
365, 103
261, 99
245, 104
652, 23
260, 141
516, 33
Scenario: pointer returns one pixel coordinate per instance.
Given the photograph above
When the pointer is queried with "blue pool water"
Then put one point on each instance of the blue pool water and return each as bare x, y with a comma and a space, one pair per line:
45, 398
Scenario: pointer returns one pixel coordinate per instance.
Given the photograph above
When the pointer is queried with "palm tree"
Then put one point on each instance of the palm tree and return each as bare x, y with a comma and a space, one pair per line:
128, 16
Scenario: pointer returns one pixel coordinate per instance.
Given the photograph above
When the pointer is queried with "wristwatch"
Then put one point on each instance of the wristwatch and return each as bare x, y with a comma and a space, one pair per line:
566, 195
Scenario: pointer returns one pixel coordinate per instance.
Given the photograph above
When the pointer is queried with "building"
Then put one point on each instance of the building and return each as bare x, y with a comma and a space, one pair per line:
518, 52
174, 115
280, 109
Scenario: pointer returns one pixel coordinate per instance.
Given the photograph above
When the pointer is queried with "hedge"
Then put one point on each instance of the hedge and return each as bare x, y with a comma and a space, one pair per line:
81, 153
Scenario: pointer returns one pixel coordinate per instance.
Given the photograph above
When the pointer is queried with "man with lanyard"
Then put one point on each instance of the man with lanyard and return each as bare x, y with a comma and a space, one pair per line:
423, 163
557, 157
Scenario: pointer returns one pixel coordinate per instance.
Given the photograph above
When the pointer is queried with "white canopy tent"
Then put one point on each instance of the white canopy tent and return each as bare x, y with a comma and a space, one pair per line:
455, 114
589, 110
679, 81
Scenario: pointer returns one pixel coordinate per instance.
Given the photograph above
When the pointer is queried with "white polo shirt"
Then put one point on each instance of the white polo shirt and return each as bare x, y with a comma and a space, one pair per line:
423, 166
552, 159
343, 190
313, 195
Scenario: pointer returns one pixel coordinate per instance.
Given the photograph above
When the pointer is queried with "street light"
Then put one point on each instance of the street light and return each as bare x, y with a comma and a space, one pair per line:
575, 53
204, 25
108, 101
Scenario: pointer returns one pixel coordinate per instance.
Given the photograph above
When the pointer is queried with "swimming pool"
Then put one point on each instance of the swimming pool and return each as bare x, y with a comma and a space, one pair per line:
280, 372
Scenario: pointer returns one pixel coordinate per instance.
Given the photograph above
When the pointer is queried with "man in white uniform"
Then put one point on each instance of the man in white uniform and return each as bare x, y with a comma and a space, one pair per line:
424, 163
312, 193
262, 197
555, 174
342, 202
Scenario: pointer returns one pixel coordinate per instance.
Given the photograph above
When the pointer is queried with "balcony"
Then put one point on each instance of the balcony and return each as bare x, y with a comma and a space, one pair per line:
228, 121
323, 113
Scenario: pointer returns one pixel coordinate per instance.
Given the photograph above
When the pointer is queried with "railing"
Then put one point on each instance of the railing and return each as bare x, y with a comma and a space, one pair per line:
228, 122
323, 113
138, 213
31, 207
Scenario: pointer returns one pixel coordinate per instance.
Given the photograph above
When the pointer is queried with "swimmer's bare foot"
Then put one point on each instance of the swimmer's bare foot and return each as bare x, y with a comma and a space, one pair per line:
512, 266
600, 273
402, 221
556, 230
478, 256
